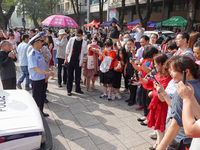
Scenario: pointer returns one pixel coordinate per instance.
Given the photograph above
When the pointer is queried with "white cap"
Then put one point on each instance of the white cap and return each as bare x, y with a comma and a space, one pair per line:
61, 31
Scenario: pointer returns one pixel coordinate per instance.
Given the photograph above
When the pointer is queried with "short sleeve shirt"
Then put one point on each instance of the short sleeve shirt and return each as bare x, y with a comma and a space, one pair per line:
36, 59
111, 54
138, 34
176, 112
114, 33
195, 145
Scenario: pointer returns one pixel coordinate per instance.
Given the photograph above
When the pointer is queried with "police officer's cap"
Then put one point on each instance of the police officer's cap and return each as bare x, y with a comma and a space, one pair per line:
35, 39
43, 34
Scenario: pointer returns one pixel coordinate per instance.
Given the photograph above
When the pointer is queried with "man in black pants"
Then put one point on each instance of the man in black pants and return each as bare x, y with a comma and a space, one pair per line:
130, 72
76, 54
7, 66
36, 68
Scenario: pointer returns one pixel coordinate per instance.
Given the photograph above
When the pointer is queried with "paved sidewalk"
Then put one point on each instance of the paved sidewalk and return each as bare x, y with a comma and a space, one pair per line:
86, 122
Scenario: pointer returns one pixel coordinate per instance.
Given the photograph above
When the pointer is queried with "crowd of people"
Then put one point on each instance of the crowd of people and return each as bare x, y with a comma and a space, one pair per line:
161, 74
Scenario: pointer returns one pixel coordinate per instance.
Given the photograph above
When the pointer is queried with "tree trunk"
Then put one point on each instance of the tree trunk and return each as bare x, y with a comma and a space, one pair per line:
191, 15
35, 22
122, 14
146, 18
6, 17
76, 11
101, 10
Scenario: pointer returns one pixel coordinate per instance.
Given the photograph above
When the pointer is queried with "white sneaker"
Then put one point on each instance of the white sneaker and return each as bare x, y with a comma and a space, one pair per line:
113, 97
153, 135
118, 96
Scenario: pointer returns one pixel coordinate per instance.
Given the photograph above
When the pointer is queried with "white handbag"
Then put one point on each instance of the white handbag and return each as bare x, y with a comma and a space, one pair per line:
90, 62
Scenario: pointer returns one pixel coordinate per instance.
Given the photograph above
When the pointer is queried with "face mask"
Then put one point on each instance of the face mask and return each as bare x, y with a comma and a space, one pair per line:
108, 48
126, 40
77, 38
94, 43
83, 33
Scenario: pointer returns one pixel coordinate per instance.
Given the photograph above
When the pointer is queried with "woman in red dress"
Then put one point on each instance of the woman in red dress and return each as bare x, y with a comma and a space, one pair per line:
158, 109
50, 46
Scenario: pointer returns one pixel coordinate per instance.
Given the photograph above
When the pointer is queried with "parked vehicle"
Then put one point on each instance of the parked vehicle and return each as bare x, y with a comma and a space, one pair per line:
22, 126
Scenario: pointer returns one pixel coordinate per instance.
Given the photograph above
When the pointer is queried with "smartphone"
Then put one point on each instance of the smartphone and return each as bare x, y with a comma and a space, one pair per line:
154, 79
136, 75
133, 59
184, 77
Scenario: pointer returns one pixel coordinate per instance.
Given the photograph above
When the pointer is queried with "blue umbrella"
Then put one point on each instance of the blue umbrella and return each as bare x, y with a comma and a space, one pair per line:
153, 25
109, 23
136, 22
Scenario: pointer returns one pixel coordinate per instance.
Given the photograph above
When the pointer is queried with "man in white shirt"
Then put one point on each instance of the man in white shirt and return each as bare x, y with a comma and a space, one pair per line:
76, 55
138, 34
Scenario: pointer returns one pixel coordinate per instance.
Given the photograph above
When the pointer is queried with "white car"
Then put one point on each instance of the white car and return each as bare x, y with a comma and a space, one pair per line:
22, 127
166, 33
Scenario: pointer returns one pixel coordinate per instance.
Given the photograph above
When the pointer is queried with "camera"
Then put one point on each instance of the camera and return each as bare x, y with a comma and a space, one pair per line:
64, 65
132, 80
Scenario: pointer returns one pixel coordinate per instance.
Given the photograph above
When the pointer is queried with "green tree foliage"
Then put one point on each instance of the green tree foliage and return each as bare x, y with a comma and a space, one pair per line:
7, 7
37, 10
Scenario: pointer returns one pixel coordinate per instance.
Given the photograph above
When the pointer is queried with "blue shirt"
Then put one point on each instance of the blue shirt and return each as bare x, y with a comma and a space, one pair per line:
176, 113
22, 51
36, 59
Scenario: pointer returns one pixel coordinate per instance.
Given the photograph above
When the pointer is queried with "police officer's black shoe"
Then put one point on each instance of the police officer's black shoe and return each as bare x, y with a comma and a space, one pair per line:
45, 114
80, 92
60, 86
46, 101
69, 94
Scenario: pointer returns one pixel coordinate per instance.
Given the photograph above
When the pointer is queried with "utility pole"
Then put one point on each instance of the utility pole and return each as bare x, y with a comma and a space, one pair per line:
108, 3
88, 11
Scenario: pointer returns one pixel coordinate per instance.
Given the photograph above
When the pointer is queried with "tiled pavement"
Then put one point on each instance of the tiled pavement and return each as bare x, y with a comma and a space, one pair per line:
86, 122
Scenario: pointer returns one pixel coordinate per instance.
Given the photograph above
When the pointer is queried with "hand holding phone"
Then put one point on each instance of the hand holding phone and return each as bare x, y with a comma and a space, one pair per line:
184, 77
154, 79
133, 59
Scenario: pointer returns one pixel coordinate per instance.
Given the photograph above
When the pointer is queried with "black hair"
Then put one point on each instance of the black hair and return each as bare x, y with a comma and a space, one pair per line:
149, 51
197, 44
181, 63
155, 35
130, 40
161, 59
50, 31
55, 34
15, 29
79, 31
145, 37
33, 30
95, 38
25, 36
11, 34
114, 22
50, 39
123, 50
185, 35
109, 42
172, 46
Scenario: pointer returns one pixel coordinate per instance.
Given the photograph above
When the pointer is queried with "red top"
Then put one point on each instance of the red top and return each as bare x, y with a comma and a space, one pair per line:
111, 54
115, 63
146, 86
158, 109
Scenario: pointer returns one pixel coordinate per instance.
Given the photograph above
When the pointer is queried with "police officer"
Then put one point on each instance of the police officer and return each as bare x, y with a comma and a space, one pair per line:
36, 68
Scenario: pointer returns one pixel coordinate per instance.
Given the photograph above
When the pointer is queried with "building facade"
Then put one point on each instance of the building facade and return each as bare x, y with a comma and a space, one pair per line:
89, 10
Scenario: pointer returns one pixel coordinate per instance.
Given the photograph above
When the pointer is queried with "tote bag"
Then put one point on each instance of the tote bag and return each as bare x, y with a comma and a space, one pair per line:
90, 62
